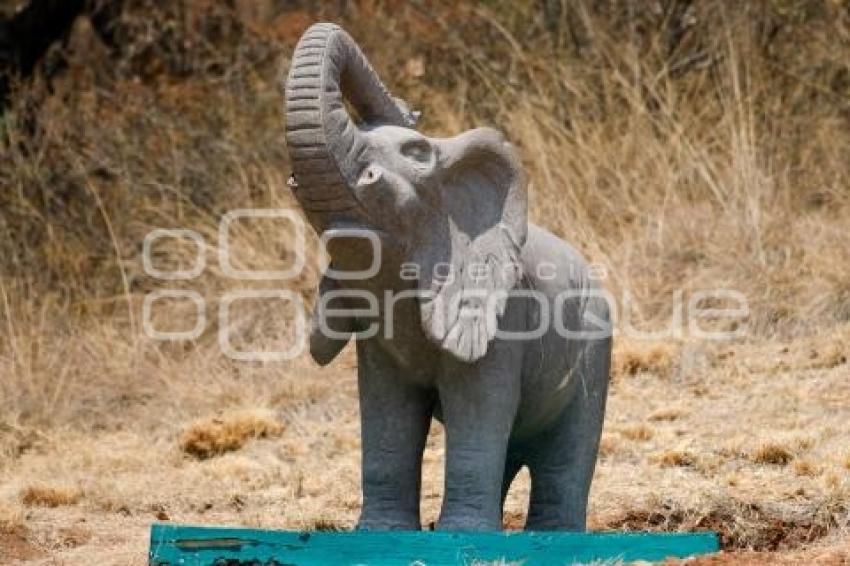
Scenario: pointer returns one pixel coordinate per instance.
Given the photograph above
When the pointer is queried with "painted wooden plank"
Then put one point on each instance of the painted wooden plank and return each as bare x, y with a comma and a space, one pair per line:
173, 545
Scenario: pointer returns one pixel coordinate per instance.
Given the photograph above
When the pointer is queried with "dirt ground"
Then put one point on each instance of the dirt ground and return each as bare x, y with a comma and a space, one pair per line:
748, 440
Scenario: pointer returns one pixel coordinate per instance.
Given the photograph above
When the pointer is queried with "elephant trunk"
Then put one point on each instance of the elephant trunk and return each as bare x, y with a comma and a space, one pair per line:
325, 144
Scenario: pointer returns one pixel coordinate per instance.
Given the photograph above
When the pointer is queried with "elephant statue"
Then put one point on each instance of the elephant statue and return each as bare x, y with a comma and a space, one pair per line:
471, 315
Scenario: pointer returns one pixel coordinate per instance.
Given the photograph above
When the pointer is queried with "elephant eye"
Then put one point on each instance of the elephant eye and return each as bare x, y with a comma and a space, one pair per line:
369, 176
417, 150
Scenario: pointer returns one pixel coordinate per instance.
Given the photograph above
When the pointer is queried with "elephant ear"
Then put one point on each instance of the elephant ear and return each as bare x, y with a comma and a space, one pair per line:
469, 258
324, 348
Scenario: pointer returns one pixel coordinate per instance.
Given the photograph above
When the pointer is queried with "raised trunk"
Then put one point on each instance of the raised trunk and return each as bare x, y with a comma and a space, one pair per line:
324, 142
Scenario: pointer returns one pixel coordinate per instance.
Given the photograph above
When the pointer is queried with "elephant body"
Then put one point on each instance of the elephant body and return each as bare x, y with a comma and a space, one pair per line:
510, 350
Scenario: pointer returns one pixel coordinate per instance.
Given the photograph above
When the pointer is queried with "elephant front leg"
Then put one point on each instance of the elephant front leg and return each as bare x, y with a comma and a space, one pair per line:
479, 403
395, 416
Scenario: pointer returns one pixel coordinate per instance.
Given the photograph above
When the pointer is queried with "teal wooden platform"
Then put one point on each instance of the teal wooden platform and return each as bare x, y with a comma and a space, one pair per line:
173, 545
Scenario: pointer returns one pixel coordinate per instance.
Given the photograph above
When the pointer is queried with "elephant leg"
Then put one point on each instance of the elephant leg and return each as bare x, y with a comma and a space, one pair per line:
395, 416
564, 457
479, 403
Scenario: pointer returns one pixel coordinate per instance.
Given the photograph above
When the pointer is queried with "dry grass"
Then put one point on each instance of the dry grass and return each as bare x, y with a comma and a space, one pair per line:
215, 436
806, 468
637, 433
608, 445
676, 458
633, 358
738, 524
721, 163
667, 414
50, 495
11, 516
780, 451
771, 453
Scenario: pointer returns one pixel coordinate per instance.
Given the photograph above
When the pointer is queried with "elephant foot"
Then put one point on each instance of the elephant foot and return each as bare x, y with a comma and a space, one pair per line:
389, 524
556, 521
467, 524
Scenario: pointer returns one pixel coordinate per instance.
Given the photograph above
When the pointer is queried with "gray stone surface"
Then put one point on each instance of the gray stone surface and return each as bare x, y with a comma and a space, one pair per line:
432, 346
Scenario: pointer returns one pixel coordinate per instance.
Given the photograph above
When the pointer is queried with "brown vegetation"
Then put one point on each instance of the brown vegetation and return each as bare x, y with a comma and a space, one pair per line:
649, 357
679, 150
50, 496
671, 458
771, 453
212, 437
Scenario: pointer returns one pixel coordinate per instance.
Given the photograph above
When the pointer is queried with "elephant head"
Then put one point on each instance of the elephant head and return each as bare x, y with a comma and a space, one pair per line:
455, 207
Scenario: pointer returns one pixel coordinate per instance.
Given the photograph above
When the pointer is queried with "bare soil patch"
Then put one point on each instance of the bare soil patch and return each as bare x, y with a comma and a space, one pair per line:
15, 544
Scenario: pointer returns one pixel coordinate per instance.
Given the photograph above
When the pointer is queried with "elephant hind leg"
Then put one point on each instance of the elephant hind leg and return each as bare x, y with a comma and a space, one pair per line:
563, 459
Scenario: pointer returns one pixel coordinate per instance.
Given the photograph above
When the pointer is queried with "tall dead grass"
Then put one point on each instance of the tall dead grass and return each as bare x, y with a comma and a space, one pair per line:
718, 160
732, 174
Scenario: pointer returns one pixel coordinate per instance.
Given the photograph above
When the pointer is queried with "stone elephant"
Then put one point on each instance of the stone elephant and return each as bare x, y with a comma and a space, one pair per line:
464, 325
